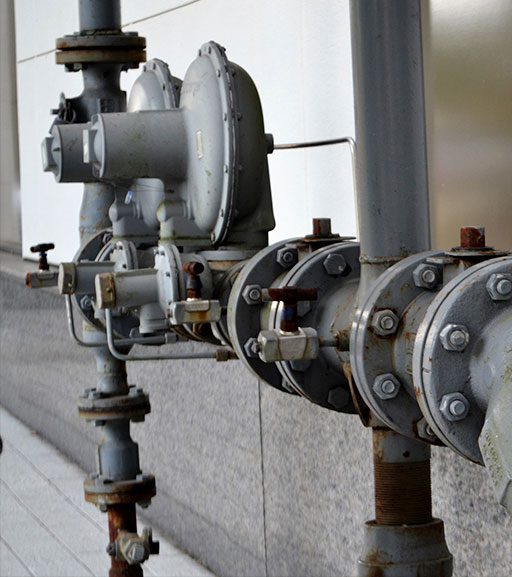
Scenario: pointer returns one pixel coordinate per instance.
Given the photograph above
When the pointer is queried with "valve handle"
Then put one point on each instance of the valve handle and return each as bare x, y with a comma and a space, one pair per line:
290, 296
193, 284
42, 249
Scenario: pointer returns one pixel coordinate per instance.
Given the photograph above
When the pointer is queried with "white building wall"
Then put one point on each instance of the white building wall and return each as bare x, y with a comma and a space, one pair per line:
298, 53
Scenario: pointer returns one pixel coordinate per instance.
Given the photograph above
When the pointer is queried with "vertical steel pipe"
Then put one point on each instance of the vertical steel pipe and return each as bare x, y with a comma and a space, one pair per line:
393, 213
391, 160
99, 15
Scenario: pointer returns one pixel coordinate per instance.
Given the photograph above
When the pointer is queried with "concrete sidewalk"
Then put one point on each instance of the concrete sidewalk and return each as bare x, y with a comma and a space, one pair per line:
46, 527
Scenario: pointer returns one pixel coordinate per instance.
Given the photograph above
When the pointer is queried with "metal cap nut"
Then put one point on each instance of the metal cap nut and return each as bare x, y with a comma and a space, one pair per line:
385, 323
287, 257
454, 407
386, 386
252, 294
335, 264
499, 286
454, 337
426, 276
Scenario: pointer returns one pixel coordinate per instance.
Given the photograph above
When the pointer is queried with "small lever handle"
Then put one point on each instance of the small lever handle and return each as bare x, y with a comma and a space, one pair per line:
193, 284
42, 249
290, 296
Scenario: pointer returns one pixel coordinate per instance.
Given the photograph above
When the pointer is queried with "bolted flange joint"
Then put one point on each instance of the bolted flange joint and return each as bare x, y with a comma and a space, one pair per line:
454, 337
335, 264
386, 386
287, 257
252, 294
454, 407
385, 322
426, 276
499, 286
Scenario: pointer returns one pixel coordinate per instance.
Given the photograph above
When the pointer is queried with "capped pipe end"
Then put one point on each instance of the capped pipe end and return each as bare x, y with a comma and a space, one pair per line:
105, 285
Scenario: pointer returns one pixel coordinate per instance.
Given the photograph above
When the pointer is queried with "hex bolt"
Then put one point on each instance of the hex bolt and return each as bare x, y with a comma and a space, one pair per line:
454, 407
252, 294
86, 303
335, 264
426, 276
386, 386
454, 337
385, 322
252, 348
499, 286
136, 554
287, 257
338, 397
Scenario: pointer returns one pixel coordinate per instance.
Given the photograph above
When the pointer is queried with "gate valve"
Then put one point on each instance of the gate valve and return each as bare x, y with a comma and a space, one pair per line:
42, 249
43, 277
290, 342
194, 309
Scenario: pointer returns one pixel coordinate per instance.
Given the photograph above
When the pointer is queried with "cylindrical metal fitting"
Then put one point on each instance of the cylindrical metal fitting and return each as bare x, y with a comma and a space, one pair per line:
99, 15
146, 144
126, 289
402, 479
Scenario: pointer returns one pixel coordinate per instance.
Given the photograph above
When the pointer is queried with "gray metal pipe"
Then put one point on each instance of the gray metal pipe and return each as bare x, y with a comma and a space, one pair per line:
391, 160
99, 15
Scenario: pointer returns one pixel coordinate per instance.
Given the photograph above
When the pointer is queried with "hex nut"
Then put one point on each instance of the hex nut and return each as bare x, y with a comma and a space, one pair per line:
425, 430
454, 407
252, 348
287, 257
385, 322
338, 397
252, 294
386, 386
335, 264
426, 276
499, 286
454, 337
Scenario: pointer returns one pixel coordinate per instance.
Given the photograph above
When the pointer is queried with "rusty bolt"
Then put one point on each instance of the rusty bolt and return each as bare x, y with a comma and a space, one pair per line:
252, 348
454, 407
338, 397
426, 276
499, 286
252, 294
385, 322
472, 237
454, 337
335, 264
386, 386
287, 257
322, 227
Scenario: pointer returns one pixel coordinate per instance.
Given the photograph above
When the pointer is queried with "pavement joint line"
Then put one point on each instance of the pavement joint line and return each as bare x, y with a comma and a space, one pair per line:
17, 556
46, 528
56, 487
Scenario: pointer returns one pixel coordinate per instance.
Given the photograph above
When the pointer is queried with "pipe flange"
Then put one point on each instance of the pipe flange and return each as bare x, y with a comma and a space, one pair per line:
126, 48
454, 383
375, 351
334, 271
103, 492
92, 406
245, 320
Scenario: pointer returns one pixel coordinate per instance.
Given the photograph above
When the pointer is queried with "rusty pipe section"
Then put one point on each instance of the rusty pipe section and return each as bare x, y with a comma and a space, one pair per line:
403, 493
121, 518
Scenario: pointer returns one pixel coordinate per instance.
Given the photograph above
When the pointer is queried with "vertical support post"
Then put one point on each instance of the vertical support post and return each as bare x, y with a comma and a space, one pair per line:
393, 212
